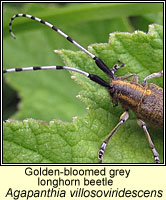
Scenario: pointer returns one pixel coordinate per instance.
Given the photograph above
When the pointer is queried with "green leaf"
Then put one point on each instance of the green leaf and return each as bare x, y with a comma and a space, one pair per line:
79, 141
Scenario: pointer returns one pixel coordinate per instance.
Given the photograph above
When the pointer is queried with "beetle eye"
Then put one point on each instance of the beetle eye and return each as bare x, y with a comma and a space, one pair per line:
111, 89
115, 104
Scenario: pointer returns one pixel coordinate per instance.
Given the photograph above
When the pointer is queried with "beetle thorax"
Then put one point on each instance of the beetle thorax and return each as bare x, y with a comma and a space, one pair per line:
127, 93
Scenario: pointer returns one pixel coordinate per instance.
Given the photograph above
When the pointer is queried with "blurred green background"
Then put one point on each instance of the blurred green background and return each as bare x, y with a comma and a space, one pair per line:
48, 95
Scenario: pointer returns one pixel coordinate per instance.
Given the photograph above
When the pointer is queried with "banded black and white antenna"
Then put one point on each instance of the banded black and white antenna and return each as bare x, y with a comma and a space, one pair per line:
97, 60
92, 77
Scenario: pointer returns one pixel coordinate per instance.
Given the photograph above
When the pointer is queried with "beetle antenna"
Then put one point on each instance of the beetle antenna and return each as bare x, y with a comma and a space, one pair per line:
92, 77
97, 60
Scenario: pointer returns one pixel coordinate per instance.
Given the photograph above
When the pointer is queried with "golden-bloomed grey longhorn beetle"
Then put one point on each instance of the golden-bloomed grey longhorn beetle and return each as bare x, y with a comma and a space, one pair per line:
145, 100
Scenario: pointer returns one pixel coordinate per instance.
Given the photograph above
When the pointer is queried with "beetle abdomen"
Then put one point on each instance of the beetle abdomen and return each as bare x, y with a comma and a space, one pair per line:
150, 108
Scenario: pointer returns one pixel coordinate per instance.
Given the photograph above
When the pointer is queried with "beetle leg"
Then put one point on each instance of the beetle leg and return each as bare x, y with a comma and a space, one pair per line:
116, 67
155, 153
123, 118
134, 79
154, 75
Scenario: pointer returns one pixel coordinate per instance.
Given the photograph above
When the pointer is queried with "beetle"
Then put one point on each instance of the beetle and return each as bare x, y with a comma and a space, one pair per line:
145, 100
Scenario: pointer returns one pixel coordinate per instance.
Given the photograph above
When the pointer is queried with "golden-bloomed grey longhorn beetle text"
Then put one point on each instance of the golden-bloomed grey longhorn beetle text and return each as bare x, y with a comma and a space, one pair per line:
145, 100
